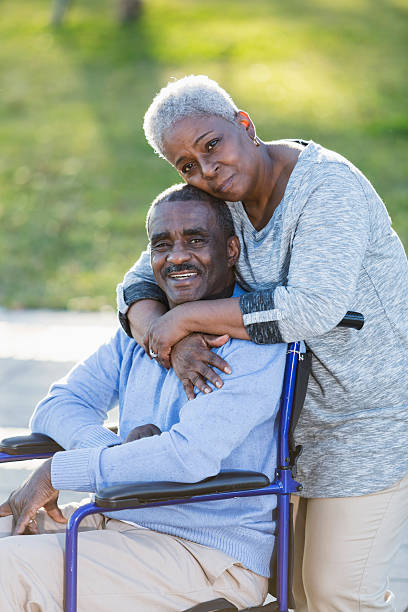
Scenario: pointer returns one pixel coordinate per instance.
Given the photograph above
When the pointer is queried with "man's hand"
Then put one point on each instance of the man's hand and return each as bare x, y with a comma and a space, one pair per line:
163, 334
191, 359
143, 431
35, 493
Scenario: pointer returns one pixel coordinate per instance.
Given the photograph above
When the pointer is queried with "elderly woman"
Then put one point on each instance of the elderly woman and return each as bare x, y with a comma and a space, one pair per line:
316, 241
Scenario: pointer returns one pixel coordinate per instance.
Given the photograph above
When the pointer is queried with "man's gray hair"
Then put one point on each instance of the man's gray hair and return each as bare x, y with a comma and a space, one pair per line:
189, 96
181, 192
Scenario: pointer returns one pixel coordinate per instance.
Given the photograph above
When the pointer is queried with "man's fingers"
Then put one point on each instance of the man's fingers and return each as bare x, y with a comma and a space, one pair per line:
208, 374
5, 509
56, 515
217, 362
199, 382
54, 512
32, 528
188, 388
23, 522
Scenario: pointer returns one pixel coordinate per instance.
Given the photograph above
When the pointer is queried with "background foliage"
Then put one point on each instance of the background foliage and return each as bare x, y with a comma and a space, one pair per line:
76, 175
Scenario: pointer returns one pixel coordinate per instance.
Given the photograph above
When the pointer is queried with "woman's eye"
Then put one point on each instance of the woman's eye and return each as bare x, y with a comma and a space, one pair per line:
211, 144
186, 168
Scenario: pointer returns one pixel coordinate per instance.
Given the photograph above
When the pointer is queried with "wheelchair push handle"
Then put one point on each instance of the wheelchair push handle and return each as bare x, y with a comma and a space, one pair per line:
353, 320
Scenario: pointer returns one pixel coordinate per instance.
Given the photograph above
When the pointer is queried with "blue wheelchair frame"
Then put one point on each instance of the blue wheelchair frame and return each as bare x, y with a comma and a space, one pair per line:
223, 486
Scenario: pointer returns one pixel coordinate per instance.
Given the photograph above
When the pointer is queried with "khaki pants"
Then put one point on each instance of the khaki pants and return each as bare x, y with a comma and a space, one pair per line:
344, 548
120, 567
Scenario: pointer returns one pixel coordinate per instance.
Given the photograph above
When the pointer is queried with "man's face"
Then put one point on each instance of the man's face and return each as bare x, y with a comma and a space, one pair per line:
190, 256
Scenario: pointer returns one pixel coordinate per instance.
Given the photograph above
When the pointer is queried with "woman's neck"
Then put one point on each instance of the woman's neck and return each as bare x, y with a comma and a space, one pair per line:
276, 165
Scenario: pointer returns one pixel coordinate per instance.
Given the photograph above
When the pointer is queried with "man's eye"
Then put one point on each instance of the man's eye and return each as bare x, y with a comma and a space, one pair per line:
196, 240
211, 144
187, 167
160, 246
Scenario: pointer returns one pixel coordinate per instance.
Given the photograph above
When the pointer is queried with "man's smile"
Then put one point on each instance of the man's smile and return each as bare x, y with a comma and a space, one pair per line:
182, 272
182, 275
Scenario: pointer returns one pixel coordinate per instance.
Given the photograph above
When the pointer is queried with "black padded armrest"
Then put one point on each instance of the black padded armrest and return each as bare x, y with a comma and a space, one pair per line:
29, 445
124, 496
34, 443
353, 320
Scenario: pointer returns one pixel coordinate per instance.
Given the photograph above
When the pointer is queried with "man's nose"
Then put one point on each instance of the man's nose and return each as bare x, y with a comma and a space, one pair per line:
178, 254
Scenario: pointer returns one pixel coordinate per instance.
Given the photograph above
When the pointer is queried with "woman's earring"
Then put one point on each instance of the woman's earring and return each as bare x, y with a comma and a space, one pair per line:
256, 140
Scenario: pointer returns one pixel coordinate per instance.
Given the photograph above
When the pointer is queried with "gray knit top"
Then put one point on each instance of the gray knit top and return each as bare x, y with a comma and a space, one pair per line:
328, 248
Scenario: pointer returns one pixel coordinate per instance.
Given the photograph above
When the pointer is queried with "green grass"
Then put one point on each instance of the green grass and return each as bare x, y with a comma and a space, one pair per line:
76, 175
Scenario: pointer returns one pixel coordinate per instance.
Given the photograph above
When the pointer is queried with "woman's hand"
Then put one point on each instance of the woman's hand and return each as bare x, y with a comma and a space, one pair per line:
162, 334
191, 359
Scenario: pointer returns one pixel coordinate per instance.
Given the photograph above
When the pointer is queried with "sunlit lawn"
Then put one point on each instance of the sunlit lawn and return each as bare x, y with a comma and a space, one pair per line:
76, 175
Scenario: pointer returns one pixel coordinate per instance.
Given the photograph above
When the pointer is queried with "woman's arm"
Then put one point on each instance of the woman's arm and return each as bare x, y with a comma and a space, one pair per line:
217, 317
327, 250
139, 287
142, 315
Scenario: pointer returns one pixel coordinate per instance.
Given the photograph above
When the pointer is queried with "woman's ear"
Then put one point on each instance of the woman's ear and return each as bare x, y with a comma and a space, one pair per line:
245, 120
233, 250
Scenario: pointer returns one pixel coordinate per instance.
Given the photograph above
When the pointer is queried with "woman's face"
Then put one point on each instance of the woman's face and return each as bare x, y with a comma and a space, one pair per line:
214, 155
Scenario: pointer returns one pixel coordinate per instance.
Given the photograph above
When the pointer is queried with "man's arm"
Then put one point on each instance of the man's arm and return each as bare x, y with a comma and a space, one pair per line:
210, 428
76, 406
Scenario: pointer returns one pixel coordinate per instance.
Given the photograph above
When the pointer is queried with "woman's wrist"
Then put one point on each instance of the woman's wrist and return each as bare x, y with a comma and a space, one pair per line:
222, 316
184, 316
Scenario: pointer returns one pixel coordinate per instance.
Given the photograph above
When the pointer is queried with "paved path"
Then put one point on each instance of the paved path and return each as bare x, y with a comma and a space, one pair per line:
37, 347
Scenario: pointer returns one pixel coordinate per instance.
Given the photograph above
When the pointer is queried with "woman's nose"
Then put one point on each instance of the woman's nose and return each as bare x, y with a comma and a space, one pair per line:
209, 169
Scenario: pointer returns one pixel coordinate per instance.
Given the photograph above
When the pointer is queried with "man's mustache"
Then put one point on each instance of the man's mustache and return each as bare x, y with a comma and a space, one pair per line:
174, 268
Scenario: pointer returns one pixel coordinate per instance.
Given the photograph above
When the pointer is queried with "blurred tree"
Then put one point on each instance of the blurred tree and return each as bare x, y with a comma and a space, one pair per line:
128, 10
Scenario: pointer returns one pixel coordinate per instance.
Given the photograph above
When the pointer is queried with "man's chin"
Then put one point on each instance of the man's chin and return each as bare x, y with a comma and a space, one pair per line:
180, 297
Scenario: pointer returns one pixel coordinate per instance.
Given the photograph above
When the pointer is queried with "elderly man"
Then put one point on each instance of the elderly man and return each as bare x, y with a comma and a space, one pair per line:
167, 558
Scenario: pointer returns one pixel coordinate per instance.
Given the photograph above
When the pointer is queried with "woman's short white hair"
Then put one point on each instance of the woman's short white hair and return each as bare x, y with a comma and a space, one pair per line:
189, 96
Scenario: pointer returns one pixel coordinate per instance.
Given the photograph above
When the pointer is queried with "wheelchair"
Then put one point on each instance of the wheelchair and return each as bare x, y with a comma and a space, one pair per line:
227, 484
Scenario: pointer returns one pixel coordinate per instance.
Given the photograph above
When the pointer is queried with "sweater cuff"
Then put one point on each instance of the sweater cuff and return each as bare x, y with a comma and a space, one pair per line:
71, 470
143, 290
98, 436
138, 291
260, 317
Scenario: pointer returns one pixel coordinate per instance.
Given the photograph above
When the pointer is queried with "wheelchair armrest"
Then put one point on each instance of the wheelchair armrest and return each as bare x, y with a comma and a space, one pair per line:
125, 496
26, 445
353, 320
34, 443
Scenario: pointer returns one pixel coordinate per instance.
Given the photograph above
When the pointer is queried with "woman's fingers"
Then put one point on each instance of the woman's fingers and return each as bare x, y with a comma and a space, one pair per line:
163, 357
215, 341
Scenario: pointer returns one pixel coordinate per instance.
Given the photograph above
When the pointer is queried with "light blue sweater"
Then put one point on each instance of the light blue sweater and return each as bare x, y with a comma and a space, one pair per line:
234, 427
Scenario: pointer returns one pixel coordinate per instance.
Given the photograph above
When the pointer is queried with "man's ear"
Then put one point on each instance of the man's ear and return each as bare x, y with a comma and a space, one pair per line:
233, 250
242, 118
